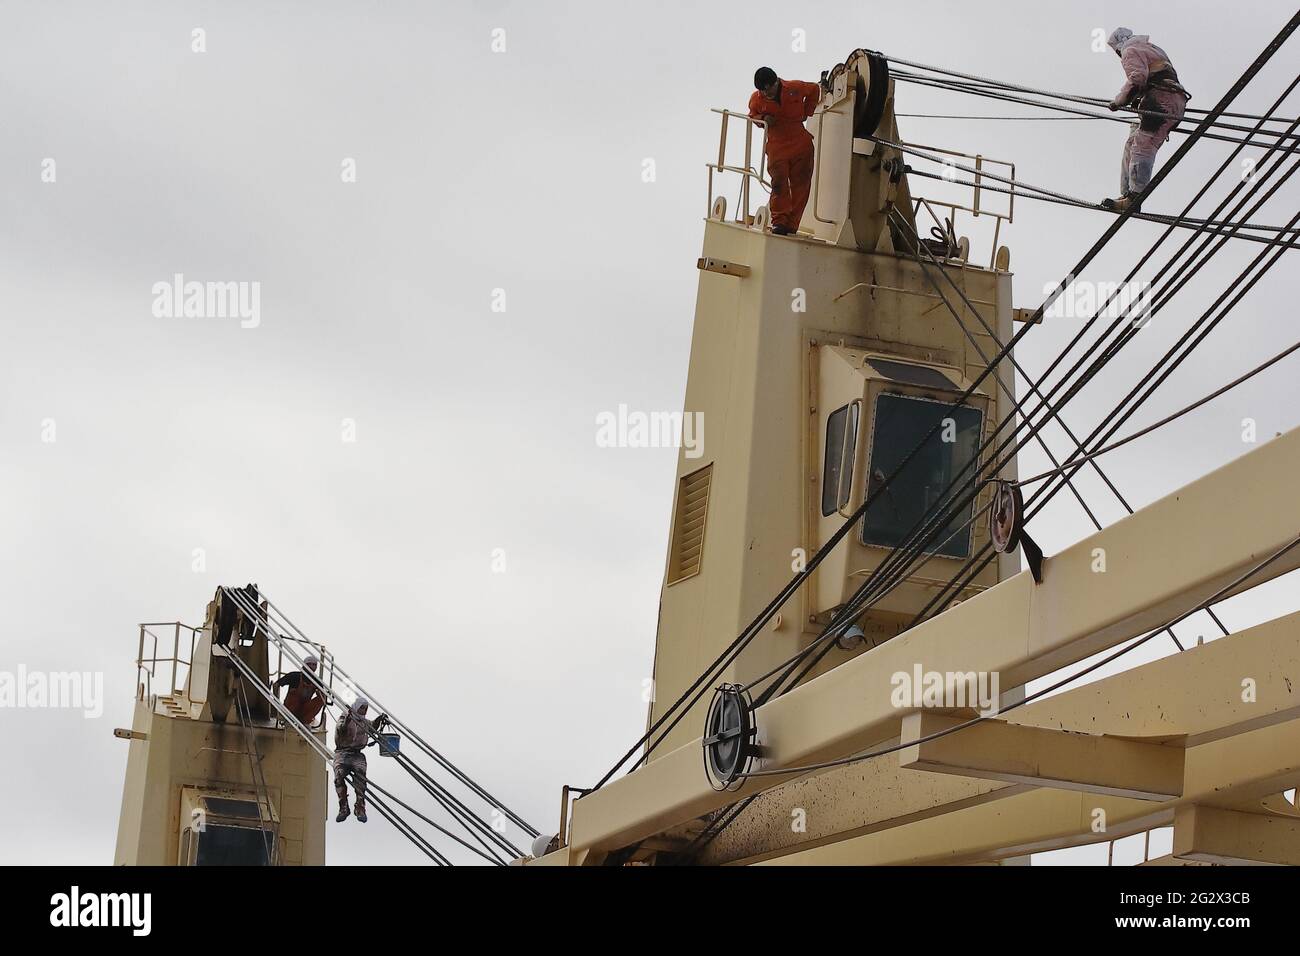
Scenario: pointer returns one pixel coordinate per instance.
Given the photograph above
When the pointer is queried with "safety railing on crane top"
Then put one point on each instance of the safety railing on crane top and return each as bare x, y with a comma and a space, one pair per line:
944, 213
166, 674
747, 170
175, 666
976, 207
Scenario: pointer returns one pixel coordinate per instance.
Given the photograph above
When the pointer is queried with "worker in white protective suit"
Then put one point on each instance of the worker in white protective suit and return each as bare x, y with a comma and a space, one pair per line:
352, 735
1151, 87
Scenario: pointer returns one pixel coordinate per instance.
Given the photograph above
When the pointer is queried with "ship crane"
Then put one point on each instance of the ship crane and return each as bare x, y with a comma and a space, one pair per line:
867, 440
253, 791
906, 550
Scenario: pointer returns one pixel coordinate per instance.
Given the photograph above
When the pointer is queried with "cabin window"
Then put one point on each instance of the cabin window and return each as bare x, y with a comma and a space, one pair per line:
233, 846
901, 422
837, 470
230, 832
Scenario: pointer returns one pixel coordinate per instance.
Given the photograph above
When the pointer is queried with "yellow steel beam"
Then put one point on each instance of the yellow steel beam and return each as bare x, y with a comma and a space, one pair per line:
1224, 772
1233, 684
1116, 584
840, 803
1210, 835
1246, 770
1248, 681
1062, 759
1169, 860
1249, 767
1030, 822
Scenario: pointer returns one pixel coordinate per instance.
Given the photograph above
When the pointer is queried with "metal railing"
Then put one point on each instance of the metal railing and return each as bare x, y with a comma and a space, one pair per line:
748, 171
175, 667
974, 209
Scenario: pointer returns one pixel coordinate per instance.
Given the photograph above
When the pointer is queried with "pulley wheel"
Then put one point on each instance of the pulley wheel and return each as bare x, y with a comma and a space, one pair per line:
728, 735
1006, 517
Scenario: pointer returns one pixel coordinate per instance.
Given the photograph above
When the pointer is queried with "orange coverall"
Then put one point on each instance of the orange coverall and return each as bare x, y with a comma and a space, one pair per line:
789, 147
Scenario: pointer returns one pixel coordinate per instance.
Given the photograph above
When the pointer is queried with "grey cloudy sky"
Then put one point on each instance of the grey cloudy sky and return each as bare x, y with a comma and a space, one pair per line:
475, 429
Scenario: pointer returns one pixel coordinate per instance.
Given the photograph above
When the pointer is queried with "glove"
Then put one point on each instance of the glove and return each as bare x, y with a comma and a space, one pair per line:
1114, 105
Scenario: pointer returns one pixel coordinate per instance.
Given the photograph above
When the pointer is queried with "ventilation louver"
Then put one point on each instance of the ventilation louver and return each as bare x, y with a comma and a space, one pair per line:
688, 524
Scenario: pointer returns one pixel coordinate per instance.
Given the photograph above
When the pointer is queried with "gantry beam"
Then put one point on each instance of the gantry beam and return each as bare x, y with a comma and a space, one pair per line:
840, 803
1169, 860
1211, 835
1118, 583
1221, 692
1246, 769
1032, 822
1245, 681
1235, 771
1061, 759
1248, 752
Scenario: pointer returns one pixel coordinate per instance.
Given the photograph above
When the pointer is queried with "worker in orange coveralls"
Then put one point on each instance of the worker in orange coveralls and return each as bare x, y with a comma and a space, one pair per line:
783, 105
304, 698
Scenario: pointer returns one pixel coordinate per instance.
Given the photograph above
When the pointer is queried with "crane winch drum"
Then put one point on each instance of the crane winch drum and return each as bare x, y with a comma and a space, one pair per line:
869, 104
871, 91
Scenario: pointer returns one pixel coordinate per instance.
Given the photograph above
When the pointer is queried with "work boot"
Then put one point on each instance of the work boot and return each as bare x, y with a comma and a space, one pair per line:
781, 230
344, 813
1122, 204
361, 813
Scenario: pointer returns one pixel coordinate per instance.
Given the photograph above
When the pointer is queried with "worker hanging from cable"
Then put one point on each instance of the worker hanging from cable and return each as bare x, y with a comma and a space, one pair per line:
1151, 86
304, 699
782, 106
352, 735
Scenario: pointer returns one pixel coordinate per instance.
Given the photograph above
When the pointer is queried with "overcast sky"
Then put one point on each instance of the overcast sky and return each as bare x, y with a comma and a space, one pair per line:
476, 171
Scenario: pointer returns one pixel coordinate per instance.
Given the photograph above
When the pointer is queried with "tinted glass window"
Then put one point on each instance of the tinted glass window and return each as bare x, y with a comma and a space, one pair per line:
900, 423
841, 439
232, 808
233, 846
